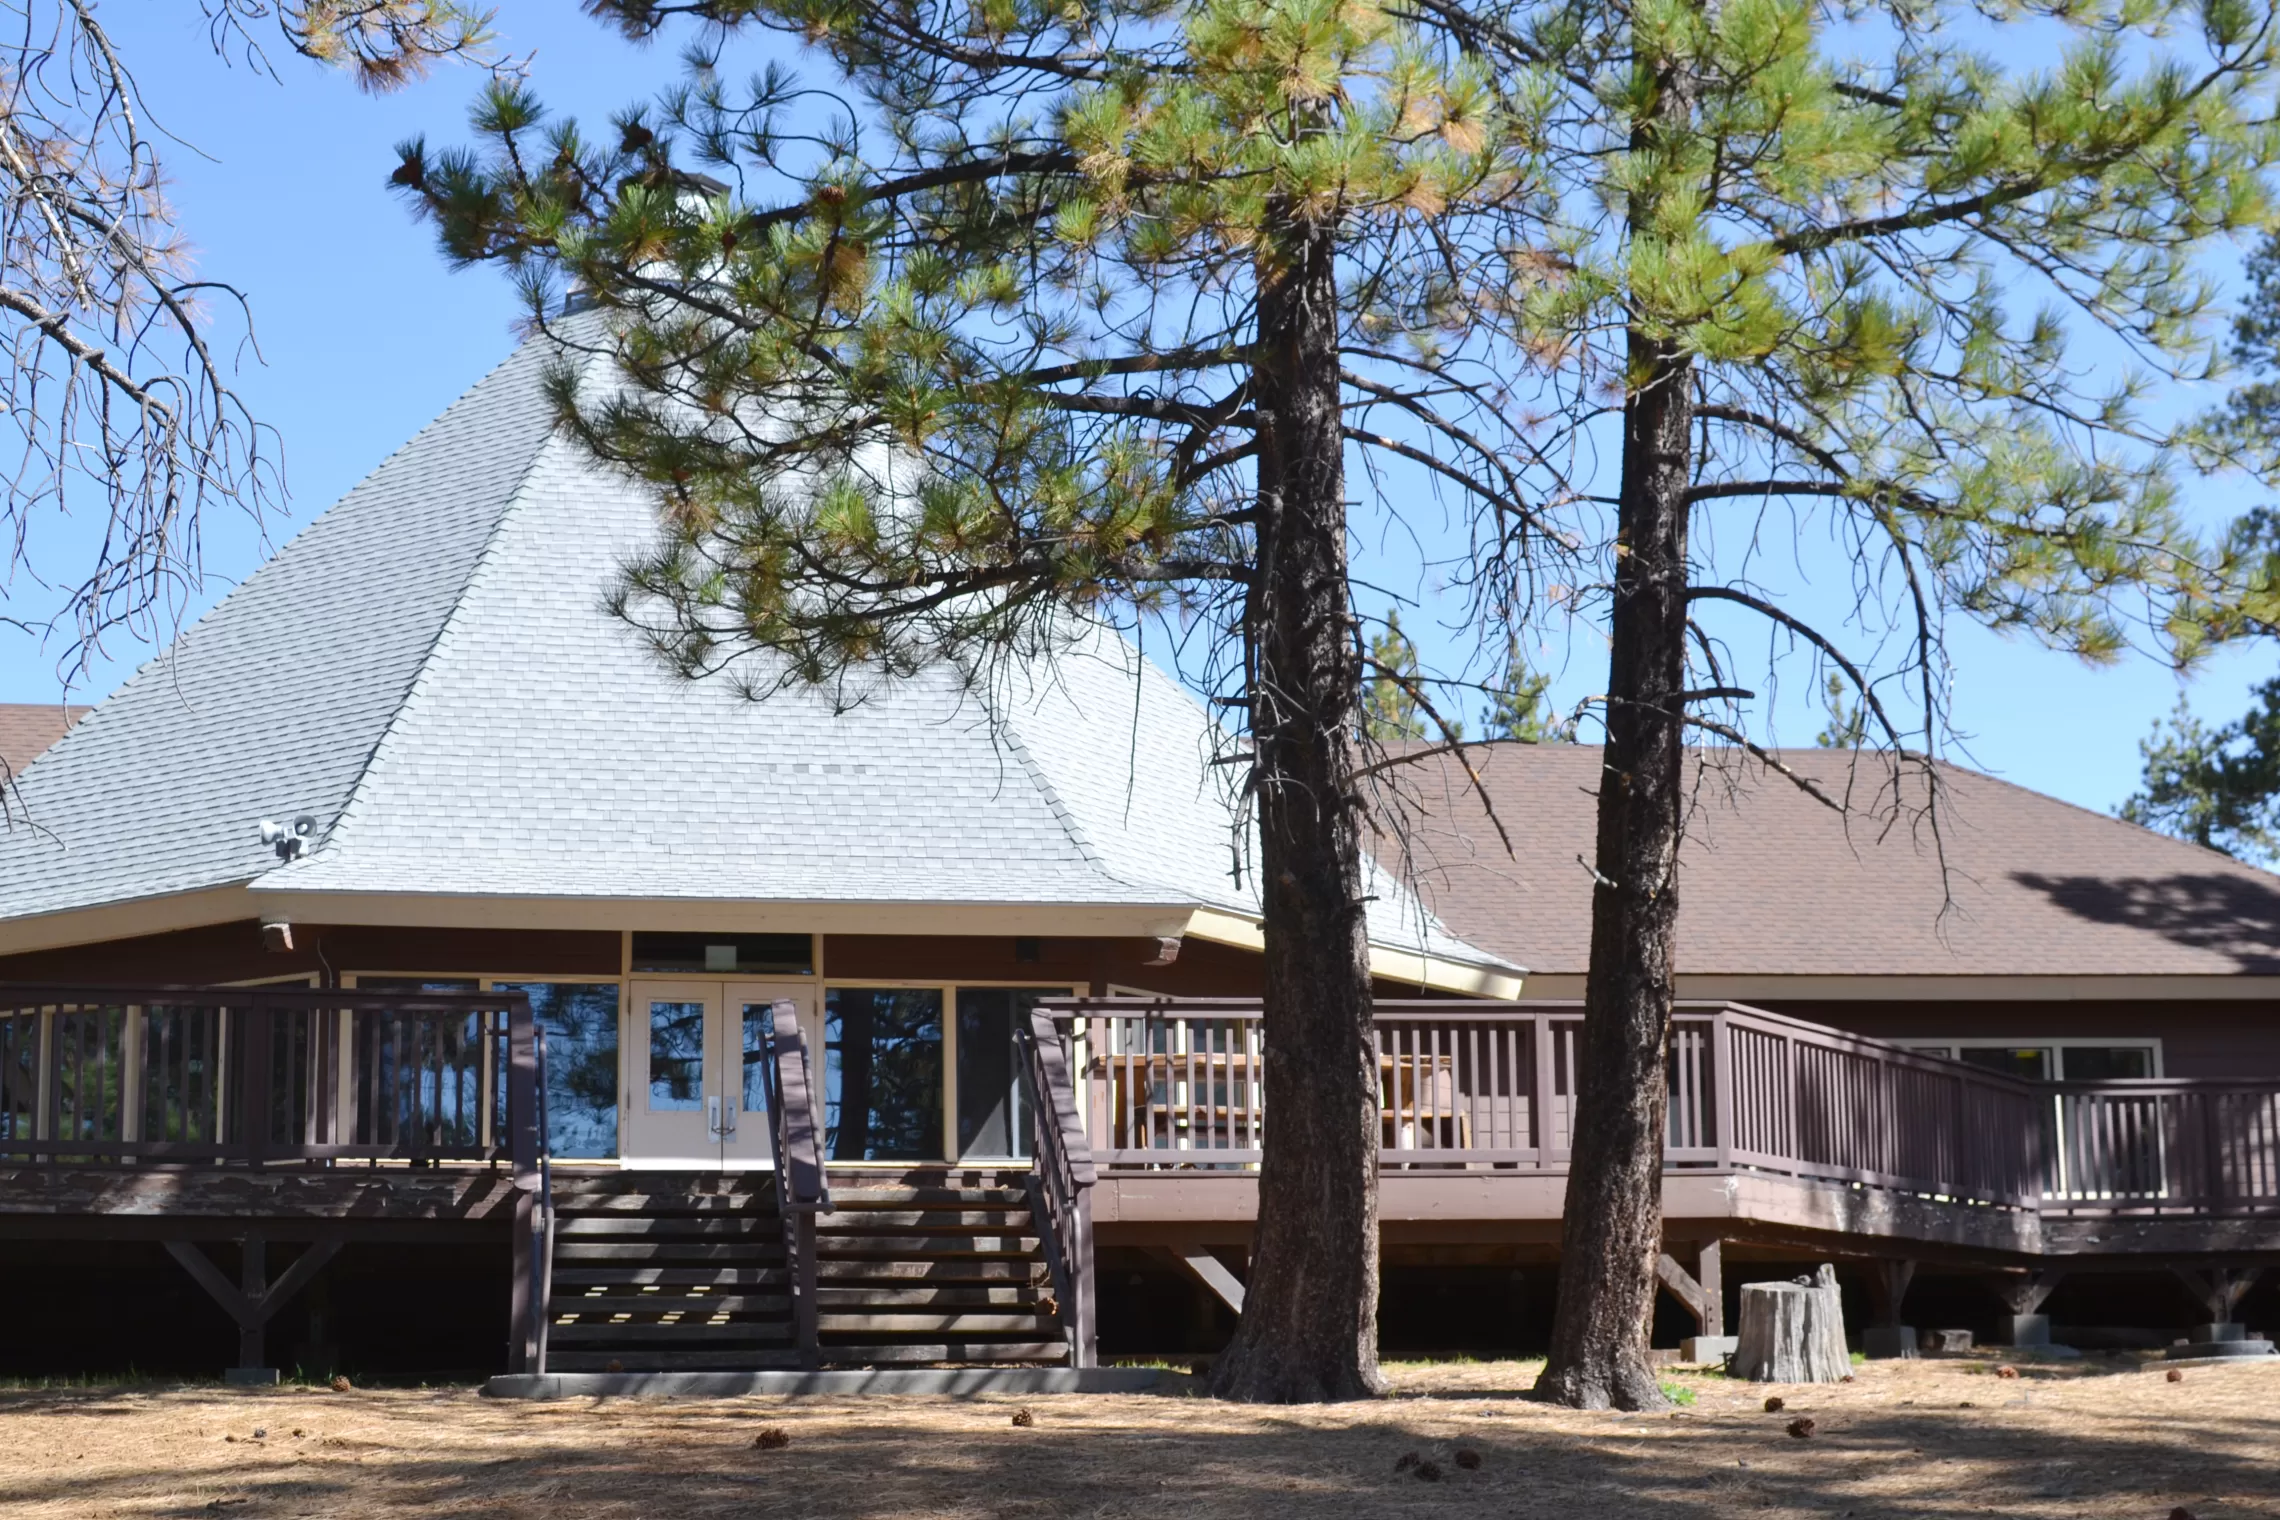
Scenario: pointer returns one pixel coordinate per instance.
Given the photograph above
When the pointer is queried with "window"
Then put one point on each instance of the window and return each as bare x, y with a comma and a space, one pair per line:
749, 954
882, 1073
581, 1024
2048, 1060
993, 1119
417, 984
676, 1056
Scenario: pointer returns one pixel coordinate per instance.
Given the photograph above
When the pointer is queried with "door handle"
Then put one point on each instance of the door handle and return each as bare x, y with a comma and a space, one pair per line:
728, 1116
712, 1116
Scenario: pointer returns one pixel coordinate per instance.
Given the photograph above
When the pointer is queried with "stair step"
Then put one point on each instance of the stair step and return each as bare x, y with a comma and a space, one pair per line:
668, 1252
763, 1204
914, 1322
770, 1227
956, 1270
672, 1303
633, 1360
846, 1220
1054, 1352
932, 1297
905, 1198
758, 1331
632, 1276
834, 1244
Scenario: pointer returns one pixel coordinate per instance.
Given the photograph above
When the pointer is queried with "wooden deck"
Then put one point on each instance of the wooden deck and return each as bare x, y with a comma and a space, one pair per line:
313, 1119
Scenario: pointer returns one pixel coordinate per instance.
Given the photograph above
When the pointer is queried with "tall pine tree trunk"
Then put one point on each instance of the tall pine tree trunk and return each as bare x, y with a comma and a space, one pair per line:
1309, 1327
1612, 1226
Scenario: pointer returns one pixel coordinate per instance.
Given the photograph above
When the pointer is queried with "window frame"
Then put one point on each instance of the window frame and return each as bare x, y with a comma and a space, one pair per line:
2057, 1045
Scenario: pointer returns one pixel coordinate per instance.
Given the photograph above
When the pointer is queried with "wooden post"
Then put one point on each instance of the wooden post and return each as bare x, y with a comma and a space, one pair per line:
1081, 1272
1710, 1272
253, 1089
253, 1282
527, 1302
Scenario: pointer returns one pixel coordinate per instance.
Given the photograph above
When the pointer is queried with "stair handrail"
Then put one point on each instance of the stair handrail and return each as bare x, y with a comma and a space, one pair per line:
544, 1288
803, 1190
1061, 1178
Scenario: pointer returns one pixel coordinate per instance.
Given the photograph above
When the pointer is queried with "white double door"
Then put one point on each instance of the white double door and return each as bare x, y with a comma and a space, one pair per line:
697, 1089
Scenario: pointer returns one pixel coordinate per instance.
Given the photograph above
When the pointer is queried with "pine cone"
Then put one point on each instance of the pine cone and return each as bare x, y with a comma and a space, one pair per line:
2177, 1374
341, 1385
1802, 1426
1430, 1472
772, 1438
1024, 1418
1468, 1459
1406, 1461
1773, 1404
2006, 1371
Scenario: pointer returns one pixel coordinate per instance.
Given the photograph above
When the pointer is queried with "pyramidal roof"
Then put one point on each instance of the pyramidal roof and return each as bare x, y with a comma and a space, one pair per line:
430, 672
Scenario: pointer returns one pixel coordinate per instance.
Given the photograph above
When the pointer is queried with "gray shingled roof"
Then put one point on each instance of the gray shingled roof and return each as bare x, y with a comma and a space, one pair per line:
429, 669
1773, 883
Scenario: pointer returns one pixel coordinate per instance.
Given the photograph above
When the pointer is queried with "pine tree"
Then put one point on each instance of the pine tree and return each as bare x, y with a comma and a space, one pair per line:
2218, 787
1516, 705
1848, 719
1389, 706
1075, 312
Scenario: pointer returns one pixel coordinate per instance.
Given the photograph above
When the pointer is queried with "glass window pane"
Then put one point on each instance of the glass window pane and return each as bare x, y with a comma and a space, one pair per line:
882, 1084
676, 1056
581, 1024
415, 984
2107, 1063
2031, 1062
759, 1022
993, 1119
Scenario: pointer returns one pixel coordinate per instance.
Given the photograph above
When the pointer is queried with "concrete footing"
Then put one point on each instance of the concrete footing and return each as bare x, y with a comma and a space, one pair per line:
1886, 1343
1699, 1349
2027, 1329
955, 1381
2206, 1335
252, 1377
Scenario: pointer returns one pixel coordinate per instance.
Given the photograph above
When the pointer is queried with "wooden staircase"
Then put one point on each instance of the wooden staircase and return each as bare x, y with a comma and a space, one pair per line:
669, 1271
680, 1271
933, 1265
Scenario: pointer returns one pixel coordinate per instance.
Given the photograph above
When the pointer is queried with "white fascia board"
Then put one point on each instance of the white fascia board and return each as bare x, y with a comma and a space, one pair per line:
721, 915
126, 920
1387, 962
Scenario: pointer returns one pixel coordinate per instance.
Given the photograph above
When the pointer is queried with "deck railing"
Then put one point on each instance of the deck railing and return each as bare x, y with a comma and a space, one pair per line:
1061, 1177
265, 1076
803, 1187
1175, 1084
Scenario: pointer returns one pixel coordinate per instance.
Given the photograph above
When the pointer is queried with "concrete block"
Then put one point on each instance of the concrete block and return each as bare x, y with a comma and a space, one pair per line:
2205, 1335
2027, 1329
1884, 1343
251, 1377
1698, 1349
1946, 1342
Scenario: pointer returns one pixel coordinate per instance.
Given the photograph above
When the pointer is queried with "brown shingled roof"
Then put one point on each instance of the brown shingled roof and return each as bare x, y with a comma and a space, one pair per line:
28, 728
1772, 883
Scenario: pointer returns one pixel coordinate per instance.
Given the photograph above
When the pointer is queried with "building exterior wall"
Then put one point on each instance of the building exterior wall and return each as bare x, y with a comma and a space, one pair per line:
2196, 1038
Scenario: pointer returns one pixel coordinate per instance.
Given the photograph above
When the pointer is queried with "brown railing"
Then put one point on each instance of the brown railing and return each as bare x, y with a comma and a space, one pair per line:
2161, 1147
261, 1076
802, 1185
1061, 1178
1173, 1084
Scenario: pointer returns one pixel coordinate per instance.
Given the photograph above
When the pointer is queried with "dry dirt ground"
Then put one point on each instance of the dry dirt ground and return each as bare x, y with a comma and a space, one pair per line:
2096, 1438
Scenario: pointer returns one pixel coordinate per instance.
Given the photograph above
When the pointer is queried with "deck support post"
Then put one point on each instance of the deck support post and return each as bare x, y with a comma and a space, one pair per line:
2024, 1296
1887, 1336
253, 1299
2219, 1291
1703, 1292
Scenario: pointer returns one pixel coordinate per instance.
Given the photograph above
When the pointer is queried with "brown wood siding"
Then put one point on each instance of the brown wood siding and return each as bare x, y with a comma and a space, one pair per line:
1084, 963
234, 953
2198, 1038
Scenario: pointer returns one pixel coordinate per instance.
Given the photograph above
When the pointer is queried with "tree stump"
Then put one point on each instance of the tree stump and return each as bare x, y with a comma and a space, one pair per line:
1793, 1332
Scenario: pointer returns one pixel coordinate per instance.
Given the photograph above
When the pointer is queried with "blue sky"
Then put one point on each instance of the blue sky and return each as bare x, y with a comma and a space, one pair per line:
367, 335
